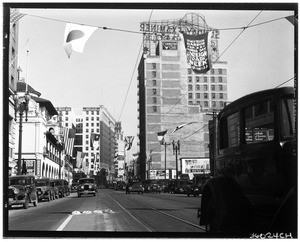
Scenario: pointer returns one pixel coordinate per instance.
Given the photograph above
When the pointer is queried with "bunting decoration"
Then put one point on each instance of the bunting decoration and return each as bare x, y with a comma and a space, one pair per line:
76, 37
128, 142
68, 139
198, 52
15, 16
161, 136
181, 126
94, 140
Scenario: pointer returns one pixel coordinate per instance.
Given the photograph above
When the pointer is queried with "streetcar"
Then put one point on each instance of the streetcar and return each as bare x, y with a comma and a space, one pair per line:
253, 166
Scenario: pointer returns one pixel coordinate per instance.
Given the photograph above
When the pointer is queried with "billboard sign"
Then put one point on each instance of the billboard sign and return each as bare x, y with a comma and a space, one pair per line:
195, 165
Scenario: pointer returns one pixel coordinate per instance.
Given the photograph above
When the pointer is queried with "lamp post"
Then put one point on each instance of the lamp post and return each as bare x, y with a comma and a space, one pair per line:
176, 149
21, 106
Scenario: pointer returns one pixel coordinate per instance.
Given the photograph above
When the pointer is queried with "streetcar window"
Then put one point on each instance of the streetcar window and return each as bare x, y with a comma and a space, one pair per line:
259, 123
287, 120
230, 132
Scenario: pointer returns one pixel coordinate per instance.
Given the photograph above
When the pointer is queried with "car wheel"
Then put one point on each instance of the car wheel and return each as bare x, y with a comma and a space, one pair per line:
94, 194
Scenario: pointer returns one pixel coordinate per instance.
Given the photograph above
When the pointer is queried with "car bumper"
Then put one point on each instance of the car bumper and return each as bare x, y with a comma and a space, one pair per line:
85, 192
12, 201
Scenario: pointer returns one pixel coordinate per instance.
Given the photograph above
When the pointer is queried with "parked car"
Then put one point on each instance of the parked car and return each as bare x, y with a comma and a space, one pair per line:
164, 185
86, 186
67, 188
154, 186
120, 185
193, 189
179, 186
44, 190
60, 185
54, 189
134, 187
22, 190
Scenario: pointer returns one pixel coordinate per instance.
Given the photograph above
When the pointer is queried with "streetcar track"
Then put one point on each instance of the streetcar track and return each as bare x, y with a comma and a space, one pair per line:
158, 211
149, 228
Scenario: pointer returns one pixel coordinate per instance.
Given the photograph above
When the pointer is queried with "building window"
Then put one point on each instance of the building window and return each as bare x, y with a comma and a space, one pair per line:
154, 100
153, 73
92, 124
221, 103
97, 131
190, 95
86, 142
87, 130
97, 112
220, 71
205, 88
206, 95
87, 124
191, 102
97, 118
66, 124
67, 118
213, 95
92, 112
87, 118
92, 118
87, 112
92, 130
97, 124
221, 95
198, 95
189, 71
190, 87
213, 87
86, 148
206, 103
154, 82
87, 136
212, 71
212, 79
199, 103
190, 79
197, 87
154, 109
153, 65
154, 91
197, 78
220, 87
220, 79
67, 113
205, 79
213, 103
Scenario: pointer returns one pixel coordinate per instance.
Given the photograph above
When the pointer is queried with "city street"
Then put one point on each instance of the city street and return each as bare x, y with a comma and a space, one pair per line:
110, 210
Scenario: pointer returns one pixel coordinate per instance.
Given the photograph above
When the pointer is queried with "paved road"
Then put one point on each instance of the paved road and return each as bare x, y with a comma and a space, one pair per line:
110, 211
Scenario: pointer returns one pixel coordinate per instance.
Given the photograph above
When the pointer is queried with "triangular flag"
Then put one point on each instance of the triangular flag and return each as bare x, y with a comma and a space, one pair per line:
76, 36
292, 19
181, 126
161, 136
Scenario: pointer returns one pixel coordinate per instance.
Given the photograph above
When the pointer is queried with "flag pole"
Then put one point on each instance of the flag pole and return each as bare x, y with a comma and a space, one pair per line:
26, 71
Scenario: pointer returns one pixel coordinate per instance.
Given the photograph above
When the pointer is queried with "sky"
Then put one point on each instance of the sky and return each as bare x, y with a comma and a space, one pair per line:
260, 57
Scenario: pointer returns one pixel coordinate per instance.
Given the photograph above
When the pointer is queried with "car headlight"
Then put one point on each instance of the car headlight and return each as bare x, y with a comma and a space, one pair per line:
82, 187
16, 191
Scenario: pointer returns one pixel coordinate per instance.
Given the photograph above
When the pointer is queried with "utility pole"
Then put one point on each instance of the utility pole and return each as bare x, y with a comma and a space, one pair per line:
176, 149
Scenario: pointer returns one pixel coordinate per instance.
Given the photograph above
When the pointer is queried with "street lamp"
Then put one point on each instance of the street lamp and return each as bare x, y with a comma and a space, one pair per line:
21, 106
176, 149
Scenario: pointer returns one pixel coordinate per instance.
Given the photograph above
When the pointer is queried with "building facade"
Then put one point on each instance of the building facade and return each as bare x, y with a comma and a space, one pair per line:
90, 120
171, 94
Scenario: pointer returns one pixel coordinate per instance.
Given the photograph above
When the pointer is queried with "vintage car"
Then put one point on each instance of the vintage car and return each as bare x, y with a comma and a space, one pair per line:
44, 190
74, 186
22, 191
54, 189
154, 186
134, 187
120, 185
86, 186
59, 184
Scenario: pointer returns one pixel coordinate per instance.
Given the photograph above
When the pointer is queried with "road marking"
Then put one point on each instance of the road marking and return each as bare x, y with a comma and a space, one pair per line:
63, 225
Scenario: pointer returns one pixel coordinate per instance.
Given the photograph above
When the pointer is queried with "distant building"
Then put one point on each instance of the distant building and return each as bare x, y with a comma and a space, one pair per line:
95, 120
171, 94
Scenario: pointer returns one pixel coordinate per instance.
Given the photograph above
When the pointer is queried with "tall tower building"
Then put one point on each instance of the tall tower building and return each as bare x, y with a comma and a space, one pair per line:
171, 94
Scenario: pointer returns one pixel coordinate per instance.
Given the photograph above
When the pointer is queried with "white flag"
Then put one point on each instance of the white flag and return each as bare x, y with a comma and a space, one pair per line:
76, 36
